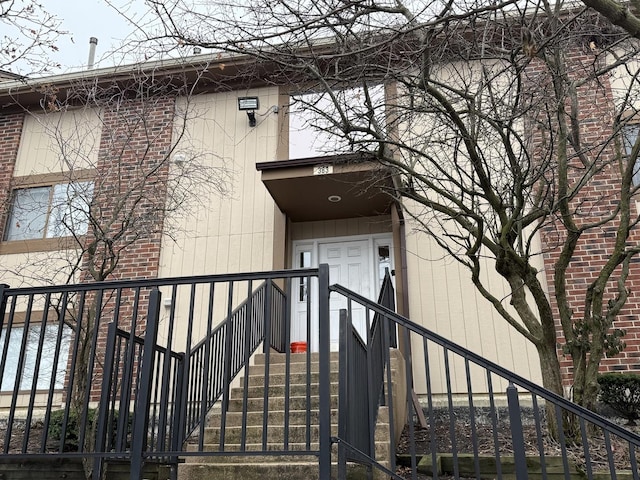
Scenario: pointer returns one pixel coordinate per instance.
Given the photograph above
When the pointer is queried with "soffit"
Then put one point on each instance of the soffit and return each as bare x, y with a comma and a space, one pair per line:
303, 191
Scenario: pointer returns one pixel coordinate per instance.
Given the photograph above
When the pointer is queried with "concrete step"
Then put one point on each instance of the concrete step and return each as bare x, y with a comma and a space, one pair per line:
296, 417
259, 358
276, 417
299, 378
276, 433
242, 459
295, 390
292, 470
381, 450
277, 403
281, 368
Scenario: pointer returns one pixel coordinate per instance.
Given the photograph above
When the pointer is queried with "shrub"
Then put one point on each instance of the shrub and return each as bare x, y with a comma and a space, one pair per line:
621, 392
72, 433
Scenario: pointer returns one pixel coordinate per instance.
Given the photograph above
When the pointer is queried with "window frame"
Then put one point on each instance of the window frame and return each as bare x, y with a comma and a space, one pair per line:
45, 243
627, 146
49, 341
304, 141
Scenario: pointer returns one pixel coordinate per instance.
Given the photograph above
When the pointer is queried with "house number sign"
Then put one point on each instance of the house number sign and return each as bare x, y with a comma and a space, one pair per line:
322, 169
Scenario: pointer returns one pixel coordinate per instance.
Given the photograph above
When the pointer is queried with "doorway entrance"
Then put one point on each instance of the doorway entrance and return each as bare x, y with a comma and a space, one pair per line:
357, 263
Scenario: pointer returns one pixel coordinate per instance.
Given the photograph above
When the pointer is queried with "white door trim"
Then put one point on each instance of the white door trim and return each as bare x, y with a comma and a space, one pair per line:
312, 249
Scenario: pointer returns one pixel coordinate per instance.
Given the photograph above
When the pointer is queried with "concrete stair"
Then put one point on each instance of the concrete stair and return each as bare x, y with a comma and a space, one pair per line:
230, 463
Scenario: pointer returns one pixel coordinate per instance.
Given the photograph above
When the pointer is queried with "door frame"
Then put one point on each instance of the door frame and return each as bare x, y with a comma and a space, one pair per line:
312, 248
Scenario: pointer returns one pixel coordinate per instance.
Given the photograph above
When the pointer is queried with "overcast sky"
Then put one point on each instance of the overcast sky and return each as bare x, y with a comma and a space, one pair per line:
91, 18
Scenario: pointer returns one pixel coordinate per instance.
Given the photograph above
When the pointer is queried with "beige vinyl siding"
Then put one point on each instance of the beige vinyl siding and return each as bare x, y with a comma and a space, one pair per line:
51, 143
233, 232
441, 294
37, 268
57, 142
442, 298
340, 228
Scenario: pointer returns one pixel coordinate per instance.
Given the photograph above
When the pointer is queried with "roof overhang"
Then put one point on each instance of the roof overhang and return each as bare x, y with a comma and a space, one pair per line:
327, 188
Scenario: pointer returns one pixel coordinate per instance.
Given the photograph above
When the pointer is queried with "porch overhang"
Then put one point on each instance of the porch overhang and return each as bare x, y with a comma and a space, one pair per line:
327, 188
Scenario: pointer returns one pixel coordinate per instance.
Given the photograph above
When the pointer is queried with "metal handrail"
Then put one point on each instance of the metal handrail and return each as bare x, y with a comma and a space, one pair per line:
163, 282
491, 366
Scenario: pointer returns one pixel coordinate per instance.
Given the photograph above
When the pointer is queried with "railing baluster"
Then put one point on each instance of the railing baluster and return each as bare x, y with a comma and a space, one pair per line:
390, 400
267, 363
433, 446
186, 385
167, 391
140, 427
634, 461
537, 421
324, 358
54, 368
610, 461
19, 371
204, 400
494, 425
472, 419
343, 386
36, 373
562, 441
406, 344
372, 396
84, 418
7, 331
227, 367
247, 347
105, 395
287, 369
517, 436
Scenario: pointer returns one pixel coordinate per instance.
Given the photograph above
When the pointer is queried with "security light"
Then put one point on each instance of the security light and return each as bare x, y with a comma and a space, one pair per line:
249, 104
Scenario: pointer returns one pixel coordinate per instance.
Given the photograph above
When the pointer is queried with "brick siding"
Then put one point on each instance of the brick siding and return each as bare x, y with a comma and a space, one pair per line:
10, 133
599, 198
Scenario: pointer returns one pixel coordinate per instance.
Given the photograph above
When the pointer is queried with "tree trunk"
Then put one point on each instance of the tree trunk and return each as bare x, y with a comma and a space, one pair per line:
585, 378
551, 380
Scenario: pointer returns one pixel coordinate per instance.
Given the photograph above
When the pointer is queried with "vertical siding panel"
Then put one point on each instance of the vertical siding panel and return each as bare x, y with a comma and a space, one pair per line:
40, 152
443, 299
234, 231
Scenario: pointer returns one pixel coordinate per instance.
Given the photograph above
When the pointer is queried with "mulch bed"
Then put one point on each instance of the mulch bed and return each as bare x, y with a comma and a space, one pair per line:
487, 443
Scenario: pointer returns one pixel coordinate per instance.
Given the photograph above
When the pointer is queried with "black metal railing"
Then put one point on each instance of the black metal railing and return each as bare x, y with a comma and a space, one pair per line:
112, 372
231, 344
362, 369
482, 421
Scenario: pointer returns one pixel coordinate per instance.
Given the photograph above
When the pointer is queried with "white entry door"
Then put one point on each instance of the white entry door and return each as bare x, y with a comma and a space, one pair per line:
350, 265
355, 263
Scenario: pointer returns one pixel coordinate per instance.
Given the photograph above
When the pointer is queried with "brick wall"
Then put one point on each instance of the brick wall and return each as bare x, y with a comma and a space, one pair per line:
10, 132
133, 170
598, 199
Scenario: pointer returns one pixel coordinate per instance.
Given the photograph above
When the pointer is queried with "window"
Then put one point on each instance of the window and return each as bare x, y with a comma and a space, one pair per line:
304, 261
49, 211
630, 133
32, 355
314, 120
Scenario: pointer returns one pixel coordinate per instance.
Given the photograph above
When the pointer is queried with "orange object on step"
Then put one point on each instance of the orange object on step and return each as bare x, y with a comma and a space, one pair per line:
298, 347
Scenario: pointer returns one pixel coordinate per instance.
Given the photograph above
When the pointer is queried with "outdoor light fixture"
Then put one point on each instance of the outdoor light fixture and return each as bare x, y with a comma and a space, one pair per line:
249, 105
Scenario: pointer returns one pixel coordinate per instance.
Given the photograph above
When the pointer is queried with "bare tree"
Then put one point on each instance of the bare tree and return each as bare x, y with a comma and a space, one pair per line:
490, 123
29, 35
624, 13
125, 171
